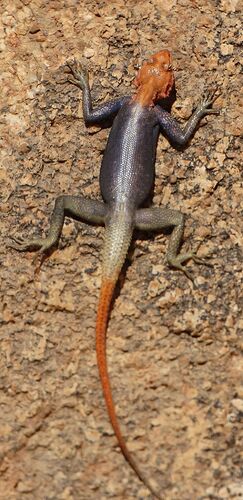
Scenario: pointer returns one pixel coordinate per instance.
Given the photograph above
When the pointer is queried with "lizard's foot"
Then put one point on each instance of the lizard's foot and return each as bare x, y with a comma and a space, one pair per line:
79, 75
178, 260
40, 244
207, 100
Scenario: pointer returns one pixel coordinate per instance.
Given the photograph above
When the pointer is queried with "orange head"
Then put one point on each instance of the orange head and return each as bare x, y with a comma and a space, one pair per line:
155, 79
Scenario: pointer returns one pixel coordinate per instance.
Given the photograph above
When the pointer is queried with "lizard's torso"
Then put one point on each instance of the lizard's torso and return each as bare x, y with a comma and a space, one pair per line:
127, 171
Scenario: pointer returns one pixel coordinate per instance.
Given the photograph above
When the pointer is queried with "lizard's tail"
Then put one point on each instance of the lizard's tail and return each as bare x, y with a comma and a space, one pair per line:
119, 238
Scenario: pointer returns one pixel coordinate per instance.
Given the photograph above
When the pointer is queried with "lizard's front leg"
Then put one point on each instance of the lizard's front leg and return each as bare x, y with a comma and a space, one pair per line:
73, 206
79, 76
160, 218
180, 137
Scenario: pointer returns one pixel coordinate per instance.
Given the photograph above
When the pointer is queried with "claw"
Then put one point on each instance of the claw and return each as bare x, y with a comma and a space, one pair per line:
71, 63
200, 260
208, 99
186, 272
79, 75
177, 262
22, 245
40, 245
73, 80
213, 111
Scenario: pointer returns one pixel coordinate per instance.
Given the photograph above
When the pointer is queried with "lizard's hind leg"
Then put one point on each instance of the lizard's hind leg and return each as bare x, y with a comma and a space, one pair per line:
77, 207
160, 218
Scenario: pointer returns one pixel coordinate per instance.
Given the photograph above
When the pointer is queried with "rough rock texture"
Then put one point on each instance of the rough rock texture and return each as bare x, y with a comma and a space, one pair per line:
174, 350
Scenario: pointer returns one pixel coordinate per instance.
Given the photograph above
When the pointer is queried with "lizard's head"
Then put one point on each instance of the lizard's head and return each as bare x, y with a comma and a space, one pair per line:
155, 78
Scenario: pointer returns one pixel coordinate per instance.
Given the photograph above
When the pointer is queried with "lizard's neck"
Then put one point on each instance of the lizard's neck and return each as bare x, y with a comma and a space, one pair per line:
146, 95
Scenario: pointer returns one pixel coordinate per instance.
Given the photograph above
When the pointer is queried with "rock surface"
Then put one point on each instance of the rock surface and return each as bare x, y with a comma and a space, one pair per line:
174, 351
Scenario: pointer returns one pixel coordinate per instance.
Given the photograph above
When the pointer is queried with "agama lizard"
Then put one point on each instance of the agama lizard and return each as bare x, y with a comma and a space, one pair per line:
126, 179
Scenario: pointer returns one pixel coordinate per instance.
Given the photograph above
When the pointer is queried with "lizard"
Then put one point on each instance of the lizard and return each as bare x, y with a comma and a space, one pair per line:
126, 179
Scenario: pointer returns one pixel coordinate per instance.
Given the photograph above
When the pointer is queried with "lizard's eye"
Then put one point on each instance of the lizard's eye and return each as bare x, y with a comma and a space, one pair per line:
168, 67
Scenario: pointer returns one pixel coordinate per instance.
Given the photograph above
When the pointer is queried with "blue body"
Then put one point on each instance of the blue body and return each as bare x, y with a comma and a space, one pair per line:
127, 170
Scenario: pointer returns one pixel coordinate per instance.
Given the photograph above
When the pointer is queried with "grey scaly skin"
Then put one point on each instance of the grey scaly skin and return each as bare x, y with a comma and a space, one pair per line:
126, 179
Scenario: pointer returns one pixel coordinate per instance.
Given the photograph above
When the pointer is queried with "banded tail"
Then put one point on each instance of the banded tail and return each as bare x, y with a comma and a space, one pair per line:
117, 241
